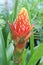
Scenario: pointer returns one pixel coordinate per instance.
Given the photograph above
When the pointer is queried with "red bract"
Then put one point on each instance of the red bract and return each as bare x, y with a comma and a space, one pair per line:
21, 29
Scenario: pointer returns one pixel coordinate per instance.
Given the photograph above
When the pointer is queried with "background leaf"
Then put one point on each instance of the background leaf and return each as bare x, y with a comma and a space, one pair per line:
3, 59
36, 55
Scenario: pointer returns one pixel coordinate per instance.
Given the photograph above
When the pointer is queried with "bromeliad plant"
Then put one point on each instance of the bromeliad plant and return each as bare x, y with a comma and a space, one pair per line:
21, 31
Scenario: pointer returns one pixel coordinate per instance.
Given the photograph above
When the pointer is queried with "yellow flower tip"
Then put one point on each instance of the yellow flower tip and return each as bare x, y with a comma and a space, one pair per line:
23, 10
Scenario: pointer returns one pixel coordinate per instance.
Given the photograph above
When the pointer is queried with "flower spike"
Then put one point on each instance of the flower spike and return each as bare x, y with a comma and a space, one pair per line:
21, 29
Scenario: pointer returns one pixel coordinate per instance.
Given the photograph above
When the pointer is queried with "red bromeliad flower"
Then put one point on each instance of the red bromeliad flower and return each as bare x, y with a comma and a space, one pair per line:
21, 29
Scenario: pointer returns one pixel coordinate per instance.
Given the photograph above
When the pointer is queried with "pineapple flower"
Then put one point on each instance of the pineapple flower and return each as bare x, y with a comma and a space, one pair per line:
21, 29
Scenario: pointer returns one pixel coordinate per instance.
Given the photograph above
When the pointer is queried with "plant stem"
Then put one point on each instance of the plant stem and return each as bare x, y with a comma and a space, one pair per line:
17, 56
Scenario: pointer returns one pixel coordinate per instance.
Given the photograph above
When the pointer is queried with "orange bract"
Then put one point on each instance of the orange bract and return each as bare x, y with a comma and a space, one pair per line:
22, 23
21, 28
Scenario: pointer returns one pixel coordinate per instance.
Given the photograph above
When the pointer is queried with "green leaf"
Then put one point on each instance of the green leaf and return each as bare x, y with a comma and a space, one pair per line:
32, 44
41, 63
3, 59
11, 63
14, 11
24, 55
9, 51
6, 30
36, 55
2, 23
9, 39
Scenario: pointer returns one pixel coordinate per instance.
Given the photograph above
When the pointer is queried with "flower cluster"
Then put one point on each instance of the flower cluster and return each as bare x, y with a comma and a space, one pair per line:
21, 29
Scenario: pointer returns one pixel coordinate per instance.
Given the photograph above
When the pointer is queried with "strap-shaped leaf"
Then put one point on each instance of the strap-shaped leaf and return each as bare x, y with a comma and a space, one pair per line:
3, 59
9, 51
32, 44
36, 55
15, 10
24, 55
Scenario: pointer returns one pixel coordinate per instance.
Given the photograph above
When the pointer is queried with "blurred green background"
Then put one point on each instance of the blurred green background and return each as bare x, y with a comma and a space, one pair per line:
9, 10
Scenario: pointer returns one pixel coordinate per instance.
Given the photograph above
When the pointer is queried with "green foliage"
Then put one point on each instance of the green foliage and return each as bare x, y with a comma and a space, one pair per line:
36, 55
41, 63
9, 51
35, 13
32, 44
24, 55
2, 23
3, 59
